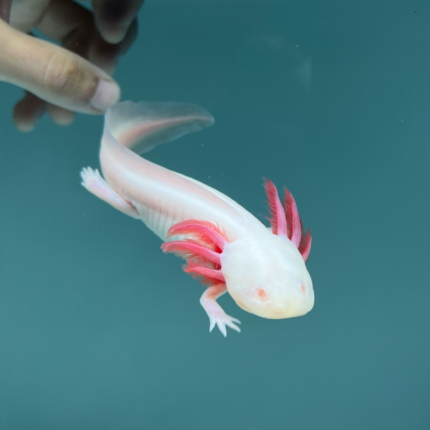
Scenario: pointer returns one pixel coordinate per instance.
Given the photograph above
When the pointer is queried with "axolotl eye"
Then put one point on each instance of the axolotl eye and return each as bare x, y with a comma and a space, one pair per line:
261, 293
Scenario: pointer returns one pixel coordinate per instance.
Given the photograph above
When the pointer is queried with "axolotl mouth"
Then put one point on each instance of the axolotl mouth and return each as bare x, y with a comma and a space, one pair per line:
279, 311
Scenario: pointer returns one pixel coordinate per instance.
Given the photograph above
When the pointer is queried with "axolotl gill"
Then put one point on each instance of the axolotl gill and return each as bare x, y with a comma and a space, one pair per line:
225, 246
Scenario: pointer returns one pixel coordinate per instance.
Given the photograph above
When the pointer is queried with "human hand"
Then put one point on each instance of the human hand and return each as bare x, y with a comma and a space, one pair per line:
74, 77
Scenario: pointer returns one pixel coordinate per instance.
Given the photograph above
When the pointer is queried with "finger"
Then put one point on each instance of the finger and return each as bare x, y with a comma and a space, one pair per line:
31, 108
114, 17
73, 25
106, 55
54, 74
60, 116
5, 6
69, 23
27, 111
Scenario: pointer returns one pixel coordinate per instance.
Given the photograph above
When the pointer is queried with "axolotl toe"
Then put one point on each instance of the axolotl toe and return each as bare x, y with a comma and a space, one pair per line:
225, 247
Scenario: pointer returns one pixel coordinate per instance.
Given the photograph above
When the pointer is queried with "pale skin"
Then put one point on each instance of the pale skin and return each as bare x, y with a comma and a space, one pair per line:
73, 77
232, 251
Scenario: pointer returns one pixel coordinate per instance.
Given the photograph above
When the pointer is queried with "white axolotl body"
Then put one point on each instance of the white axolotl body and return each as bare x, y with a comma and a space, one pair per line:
227, 247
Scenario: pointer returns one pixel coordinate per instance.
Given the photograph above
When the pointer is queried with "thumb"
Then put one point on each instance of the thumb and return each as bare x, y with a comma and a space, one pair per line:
54, 74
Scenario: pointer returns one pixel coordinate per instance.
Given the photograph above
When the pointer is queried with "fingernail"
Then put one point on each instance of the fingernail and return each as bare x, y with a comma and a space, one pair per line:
107, 94
115, 34
24, 127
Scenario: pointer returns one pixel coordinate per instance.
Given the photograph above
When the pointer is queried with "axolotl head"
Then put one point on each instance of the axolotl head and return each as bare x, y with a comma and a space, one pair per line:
268, 277
263, 268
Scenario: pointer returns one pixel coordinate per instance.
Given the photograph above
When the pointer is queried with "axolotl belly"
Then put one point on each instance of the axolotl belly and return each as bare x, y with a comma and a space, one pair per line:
224, 245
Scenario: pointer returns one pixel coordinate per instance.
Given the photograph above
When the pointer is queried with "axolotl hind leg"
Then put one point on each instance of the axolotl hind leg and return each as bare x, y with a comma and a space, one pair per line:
95, 184
201, 244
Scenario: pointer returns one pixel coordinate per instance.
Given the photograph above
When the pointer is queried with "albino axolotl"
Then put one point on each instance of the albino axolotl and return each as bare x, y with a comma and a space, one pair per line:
225, 246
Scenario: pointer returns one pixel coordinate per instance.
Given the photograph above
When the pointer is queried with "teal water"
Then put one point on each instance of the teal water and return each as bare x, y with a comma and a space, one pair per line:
100, 330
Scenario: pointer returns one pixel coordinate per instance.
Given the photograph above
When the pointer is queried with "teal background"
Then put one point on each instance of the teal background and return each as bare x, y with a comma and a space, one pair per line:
100, 330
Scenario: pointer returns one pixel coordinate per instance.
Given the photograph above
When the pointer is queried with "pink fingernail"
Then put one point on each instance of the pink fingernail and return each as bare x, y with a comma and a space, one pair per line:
107, 94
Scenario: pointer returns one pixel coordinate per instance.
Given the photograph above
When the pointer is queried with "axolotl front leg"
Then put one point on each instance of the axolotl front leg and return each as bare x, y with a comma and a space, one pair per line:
201, 245
215, 312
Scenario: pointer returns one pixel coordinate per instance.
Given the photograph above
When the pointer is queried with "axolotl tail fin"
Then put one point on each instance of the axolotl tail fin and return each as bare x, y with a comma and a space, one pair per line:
142, 126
